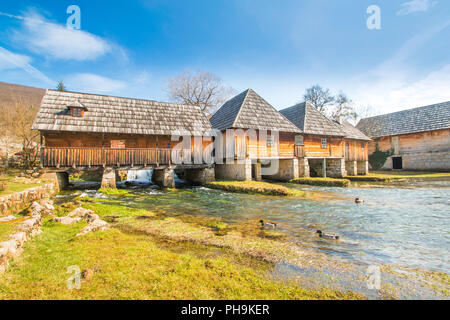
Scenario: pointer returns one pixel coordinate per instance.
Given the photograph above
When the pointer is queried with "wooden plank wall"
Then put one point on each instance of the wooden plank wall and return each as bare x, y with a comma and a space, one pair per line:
313, 146
356, 150
430, 141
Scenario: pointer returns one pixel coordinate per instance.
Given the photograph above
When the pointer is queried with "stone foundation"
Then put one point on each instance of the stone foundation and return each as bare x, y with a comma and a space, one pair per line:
426, 161
287, 170
336, 168
363, 168
165, 178
256, 171
351, 167
109, 178
316, 167
303, 168
198, 176
237, 171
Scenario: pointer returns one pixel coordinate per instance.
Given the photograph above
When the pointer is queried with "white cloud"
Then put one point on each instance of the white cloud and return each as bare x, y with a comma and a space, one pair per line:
87, 82
57, 41
11, 61
415, 6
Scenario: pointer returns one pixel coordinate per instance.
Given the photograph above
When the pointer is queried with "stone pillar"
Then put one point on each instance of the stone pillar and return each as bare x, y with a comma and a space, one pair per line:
287, 170
363, 168
200, 176
256, 171
335, 168
303, 168
316, 167
109, 178
351, 167
165, 178
240, 170
61, 179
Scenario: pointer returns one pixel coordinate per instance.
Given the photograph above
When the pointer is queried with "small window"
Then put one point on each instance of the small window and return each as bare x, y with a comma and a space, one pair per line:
363, 146
76, 112
117, 144
324, 143
270, 141
299, 141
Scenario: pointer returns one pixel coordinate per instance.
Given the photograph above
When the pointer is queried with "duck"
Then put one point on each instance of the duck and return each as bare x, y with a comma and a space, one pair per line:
332, 236
359, 201
268, 224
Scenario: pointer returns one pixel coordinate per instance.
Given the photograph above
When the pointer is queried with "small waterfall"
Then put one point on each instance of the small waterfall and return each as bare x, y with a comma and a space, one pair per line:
143, 176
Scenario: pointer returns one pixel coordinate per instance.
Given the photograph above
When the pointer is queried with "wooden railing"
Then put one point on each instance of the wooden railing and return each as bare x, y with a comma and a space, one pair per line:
70, 157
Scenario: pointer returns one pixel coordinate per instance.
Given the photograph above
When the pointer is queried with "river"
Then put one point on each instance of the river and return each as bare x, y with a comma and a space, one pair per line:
404, 224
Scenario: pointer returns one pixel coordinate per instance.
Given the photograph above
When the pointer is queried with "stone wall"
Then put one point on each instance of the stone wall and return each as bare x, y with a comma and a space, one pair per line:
303, 168
336, 168
287, 170
199, 176
427, 161
237, 171
15, 202
363, 168
351, 167
165, 178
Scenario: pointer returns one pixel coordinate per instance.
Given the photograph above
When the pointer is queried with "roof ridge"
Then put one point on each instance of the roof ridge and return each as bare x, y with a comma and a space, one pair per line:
119, 97
240, 108
408, 110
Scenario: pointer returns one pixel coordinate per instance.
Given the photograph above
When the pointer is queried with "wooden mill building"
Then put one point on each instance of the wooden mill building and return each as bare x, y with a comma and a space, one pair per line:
328, 148
87, 132
415, 139
257, 141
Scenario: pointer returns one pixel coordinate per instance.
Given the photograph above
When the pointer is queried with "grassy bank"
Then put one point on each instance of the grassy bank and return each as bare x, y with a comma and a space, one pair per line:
323, 182
395, 175
127, 262
11, 182
254, 187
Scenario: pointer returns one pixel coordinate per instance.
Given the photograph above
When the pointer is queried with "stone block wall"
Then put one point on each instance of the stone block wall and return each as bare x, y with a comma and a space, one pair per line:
351, 167
336, 168
237, 171
303, 168
426, 161
199, 176
287, 170
165, 178
363, 168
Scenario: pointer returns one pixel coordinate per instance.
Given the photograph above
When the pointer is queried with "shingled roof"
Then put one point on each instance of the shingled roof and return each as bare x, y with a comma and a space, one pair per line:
108, 114
249, 111
351, 132
433, 117
311, 121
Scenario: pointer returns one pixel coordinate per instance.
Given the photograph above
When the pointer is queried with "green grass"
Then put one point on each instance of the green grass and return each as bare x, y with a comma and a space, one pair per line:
323, 182
6, 229
8, 185
400, 174
132, 266
254, 187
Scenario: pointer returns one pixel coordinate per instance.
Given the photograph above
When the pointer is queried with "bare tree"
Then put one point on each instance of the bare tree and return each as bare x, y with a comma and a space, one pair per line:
321, 98
366, 111
343, 108
201, 89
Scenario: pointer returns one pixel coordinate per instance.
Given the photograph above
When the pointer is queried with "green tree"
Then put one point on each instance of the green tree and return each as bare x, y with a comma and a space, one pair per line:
61, 86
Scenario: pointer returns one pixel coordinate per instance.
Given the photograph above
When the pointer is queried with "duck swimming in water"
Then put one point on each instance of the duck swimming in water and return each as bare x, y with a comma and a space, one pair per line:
332, 236
359, 201
268, 224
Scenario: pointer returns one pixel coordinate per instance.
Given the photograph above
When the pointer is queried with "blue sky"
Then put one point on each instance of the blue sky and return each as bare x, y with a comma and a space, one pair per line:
279, 48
